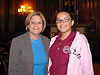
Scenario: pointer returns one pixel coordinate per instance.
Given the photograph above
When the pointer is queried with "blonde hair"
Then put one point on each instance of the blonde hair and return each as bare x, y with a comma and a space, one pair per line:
28, 18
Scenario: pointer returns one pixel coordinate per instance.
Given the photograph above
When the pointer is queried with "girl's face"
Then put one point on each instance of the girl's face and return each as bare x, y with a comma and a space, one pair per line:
35, 26
64, 22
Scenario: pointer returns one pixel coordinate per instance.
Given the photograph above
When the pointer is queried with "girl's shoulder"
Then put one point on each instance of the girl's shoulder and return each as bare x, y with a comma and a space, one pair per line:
80, 36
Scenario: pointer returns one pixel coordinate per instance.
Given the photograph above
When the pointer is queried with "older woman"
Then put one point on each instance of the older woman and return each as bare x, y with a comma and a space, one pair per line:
29, 52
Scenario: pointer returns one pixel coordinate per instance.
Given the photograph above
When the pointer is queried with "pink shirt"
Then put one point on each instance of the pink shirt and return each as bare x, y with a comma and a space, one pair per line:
80, 60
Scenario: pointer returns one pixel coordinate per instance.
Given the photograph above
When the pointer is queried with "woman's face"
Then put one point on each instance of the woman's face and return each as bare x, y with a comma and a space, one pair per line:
64, 22
35, 26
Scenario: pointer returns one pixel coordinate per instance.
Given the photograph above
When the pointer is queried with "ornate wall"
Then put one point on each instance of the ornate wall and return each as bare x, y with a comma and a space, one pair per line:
11, 21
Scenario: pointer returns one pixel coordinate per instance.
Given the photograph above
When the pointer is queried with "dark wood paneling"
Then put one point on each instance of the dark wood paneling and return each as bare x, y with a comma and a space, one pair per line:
54, 8
97, 20
48, 8
2, 9
81, 7
89, 10
41, 6
98, 24
10, 20
6, 18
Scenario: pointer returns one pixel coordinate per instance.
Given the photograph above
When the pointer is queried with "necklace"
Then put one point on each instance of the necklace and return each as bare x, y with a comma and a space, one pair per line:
37, 41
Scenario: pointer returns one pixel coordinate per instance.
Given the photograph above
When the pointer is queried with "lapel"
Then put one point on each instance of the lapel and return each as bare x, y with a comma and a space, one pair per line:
28, 44
46, 49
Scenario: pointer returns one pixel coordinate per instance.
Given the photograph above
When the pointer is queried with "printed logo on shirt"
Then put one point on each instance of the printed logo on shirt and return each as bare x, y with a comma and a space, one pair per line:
66, 49
78, 55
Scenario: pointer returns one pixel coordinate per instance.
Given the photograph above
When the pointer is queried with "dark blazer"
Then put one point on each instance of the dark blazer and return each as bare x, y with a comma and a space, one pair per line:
21, 55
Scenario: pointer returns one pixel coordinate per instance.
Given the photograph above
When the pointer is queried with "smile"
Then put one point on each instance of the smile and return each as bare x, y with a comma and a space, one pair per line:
35, 28
63, 26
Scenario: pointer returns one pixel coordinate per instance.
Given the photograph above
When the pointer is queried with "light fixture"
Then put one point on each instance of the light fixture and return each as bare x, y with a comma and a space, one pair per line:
25, 9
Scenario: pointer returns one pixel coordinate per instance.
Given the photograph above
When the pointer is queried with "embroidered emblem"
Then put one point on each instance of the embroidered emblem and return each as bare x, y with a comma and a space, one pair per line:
66, 49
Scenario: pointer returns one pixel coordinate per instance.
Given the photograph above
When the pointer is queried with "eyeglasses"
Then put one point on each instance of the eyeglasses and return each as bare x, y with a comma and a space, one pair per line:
36, 23
64, 20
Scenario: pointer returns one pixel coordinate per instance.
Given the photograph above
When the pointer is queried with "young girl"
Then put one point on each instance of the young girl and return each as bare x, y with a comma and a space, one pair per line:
69, 51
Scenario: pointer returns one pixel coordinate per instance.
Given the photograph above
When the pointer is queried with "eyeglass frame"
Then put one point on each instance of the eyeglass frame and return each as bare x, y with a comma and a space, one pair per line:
36, 23
66, 20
